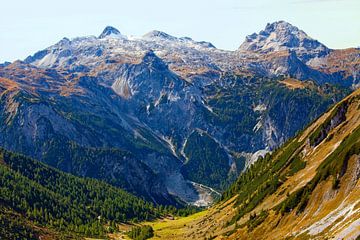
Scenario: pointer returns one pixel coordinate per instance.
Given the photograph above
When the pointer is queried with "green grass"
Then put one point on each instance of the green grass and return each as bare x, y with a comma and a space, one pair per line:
166, 228
141, 232
264, 177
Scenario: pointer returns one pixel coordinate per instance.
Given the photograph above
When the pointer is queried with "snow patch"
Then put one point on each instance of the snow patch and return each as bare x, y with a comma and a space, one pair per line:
260, 108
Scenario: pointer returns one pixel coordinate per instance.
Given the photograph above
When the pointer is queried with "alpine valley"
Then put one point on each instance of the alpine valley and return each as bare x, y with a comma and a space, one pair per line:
134, 129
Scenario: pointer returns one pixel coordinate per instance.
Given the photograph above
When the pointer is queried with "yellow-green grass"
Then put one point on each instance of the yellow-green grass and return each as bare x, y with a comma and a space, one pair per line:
173, 229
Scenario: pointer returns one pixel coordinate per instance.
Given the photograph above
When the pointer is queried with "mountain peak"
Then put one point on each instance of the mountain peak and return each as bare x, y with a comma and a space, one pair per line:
155, 34
109, 31
281, 36
280, 26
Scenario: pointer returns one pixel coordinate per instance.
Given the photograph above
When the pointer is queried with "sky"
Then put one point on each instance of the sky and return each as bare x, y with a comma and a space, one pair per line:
29, 26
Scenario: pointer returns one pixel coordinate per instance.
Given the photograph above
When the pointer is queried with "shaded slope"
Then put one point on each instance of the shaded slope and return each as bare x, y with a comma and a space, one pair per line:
45, 197
85, 126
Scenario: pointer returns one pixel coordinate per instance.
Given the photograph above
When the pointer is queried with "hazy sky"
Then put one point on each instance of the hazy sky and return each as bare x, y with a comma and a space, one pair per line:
29, 26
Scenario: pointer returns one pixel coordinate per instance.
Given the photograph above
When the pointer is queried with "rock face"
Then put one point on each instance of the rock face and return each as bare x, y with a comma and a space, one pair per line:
158, 35
125, 109
110, 31
280, 36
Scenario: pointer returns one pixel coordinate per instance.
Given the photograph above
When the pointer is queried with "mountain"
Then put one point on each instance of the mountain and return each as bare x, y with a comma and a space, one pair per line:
80, 134
306, 189
81, 127
4, 64
282, 36
134, 111
158, 36
197, 61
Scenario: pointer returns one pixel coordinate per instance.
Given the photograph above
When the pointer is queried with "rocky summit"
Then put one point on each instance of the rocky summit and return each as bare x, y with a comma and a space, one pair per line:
110, 31
282, 36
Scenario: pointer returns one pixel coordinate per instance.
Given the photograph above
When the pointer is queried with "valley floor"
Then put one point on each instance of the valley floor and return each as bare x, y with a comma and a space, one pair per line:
174, 229
166, 228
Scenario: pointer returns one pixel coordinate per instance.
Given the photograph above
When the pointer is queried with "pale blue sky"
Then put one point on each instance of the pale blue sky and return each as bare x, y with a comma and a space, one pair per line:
29, 26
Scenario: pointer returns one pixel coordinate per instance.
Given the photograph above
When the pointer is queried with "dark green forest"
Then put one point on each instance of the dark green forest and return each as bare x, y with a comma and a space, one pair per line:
141, 232
44, 196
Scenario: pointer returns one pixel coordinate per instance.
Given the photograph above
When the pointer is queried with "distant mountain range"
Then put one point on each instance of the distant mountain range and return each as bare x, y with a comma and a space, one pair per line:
172, 120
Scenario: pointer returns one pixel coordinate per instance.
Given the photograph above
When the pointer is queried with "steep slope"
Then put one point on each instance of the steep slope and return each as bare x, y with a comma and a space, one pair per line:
84, 134
307, 189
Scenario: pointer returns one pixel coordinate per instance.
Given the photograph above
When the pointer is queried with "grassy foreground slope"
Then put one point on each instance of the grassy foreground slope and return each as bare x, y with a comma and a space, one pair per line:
307, 189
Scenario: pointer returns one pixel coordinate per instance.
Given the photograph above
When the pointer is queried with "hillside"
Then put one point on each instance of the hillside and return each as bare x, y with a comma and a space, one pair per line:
307, 189
40, 201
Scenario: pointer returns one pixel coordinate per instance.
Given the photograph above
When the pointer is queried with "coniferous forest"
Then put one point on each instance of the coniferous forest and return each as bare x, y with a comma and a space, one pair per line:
33, 191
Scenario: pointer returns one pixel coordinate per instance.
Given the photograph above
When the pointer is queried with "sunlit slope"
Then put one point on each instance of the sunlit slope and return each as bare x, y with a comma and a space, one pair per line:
308, 188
